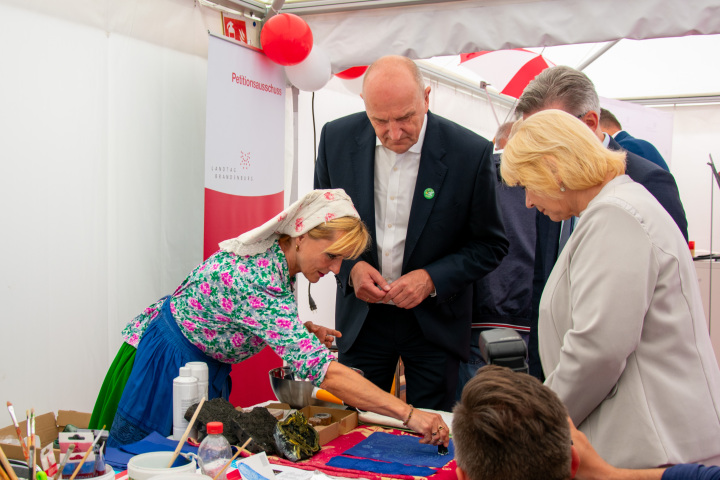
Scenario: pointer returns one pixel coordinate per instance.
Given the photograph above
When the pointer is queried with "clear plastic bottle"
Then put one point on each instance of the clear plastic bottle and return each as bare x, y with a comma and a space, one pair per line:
214, 451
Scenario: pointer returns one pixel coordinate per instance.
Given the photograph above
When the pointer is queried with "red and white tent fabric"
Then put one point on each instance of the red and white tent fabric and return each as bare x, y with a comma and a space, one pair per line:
509, 71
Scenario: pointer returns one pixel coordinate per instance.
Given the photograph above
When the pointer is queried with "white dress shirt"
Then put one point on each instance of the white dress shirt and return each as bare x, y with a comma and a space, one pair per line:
395, 178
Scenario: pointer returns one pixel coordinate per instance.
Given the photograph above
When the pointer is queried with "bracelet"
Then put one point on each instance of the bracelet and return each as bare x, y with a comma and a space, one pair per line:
407, 420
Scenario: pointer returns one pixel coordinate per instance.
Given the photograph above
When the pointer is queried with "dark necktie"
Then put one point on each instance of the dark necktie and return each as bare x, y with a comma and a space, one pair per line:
565, 231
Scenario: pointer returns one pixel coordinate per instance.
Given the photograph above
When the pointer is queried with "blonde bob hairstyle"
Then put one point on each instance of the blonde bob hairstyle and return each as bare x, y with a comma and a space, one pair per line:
354, 241
553, 149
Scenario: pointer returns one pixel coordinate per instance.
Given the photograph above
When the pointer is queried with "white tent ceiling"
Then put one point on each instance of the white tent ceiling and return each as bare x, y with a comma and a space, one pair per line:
666, 49
429, 30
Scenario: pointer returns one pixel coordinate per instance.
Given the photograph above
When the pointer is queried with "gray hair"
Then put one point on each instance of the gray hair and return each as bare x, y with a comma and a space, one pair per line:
559, 86
503, 132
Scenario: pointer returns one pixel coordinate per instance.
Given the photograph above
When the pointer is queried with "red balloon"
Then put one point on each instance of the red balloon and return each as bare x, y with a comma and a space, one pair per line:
352, 72
286, 39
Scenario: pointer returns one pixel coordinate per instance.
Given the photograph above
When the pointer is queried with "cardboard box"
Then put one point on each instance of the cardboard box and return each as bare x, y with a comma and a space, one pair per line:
47, 427
342, 420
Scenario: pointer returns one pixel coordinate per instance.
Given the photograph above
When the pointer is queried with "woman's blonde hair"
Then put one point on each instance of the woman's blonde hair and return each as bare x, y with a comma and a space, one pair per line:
354, 241
553, 149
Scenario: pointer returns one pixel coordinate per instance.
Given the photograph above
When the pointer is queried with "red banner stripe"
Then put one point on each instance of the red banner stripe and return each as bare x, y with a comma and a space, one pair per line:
227, 216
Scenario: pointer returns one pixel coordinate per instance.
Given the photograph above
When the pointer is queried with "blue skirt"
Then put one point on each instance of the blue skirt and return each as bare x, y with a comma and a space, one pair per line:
146, 402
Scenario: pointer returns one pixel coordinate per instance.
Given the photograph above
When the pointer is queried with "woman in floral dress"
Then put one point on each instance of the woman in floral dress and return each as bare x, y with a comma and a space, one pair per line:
234, 304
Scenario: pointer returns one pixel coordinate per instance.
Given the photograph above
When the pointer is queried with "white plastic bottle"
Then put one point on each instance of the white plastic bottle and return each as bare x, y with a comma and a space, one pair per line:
200, 371
214, 451
185, 394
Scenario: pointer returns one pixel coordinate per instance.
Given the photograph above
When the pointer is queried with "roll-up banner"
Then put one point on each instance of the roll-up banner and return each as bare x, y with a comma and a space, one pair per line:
244, 161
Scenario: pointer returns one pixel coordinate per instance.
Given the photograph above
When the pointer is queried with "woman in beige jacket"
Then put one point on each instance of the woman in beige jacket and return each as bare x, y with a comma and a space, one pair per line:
622, 333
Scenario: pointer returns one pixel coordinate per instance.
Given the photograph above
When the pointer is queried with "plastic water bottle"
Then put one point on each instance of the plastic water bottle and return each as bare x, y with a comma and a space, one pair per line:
214, 451
185, 394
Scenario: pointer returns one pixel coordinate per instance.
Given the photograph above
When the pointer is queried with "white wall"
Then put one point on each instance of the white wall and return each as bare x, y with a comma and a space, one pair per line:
101, 185
696, 135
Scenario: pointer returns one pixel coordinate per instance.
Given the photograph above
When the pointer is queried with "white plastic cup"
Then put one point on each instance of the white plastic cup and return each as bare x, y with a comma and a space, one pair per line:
148, 465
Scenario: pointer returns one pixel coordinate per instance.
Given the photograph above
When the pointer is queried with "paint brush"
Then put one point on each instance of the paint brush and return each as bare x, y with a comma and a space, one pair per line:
34, 448
185, 435
17, 429
64, 461
31, 445
6, 465
82, 461
4, 475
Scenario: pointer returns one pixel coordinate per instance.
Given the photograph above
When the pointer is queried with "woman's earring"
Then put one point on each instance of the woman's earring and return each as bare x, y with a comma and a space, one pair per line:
562, 188
297, 247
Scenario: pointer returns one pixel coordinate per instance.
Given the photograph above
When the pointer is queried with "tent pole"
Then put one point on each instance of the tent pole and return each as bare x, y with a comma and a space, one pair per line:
483, 86
294, 187
597, 55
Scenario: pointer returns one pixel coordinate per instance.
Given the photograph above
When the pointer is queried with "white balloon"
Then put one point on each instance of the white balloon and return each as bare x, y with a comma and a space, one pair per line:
353, 85
312, 73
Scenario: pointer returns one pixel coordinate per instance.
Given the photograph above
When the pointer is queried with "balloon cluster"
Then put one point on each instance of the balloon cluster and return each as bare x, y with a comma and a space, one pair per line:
288, 41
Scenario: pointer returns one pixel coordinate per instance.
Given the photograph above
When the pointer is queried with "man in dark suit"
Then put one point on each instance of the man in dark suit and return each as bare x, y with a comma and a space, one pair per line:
425, 187
611, 125
503, 298
567, 89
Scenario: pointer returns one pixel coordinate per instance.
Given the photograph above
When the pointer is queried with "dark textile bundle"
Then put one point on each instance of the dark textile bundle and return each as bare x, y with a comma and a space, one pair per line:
295, 438
238, 426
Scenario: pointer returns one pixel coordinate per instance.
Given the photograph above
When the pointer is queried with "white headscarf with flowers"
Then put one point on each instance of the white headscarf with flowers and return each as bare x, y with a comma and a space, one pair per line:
315, 208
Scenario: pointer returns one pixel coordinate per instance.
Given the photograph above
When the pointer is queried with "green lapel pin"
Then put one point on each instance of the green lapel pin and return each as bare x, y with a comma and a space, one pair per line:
429, 193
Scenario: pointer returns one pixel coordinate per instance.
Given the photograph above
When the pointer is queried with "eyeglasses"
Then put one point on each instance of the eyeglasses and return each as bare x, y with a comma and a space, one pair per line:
580, 117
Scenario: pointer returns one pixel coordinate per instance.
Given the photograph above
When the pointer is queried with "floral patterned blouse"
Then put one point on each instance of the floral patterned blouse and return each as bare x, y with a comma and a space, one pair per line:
231, 307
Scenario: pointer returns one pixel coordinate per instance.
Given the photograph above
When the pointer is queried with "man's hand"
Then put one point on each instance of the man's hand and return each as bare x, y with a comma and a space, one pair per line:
324, 334
410, 289
369, 285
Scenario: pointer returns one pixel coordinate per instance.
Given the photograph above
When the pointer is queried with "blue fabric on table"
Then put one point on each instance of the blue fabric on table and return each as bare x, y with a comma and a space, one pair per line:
404, 449
119, 457
157, 443
374, 466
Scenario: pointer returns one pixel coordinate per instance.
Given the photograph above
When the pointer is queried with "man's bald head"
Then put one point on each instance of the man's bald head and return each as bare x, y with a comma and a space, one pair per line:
396, 101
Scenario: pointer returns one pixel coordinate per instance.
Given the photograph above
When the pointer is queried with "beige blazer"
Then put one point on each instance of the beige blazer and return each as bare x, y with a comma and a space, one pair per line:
623, 338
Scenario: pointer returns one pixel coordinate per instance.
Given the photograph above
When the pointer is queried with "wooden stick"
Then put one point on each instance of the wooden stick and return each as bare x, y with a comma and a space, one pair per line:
68, 452
3, 475
31, 446
185, 435
233, 458
87, 454
31, 441
6, 465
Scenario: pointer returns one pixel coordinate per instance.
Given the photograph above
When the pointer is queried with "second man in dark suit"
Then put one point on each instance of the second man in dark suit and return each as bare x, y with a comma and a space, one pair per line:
425, 188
